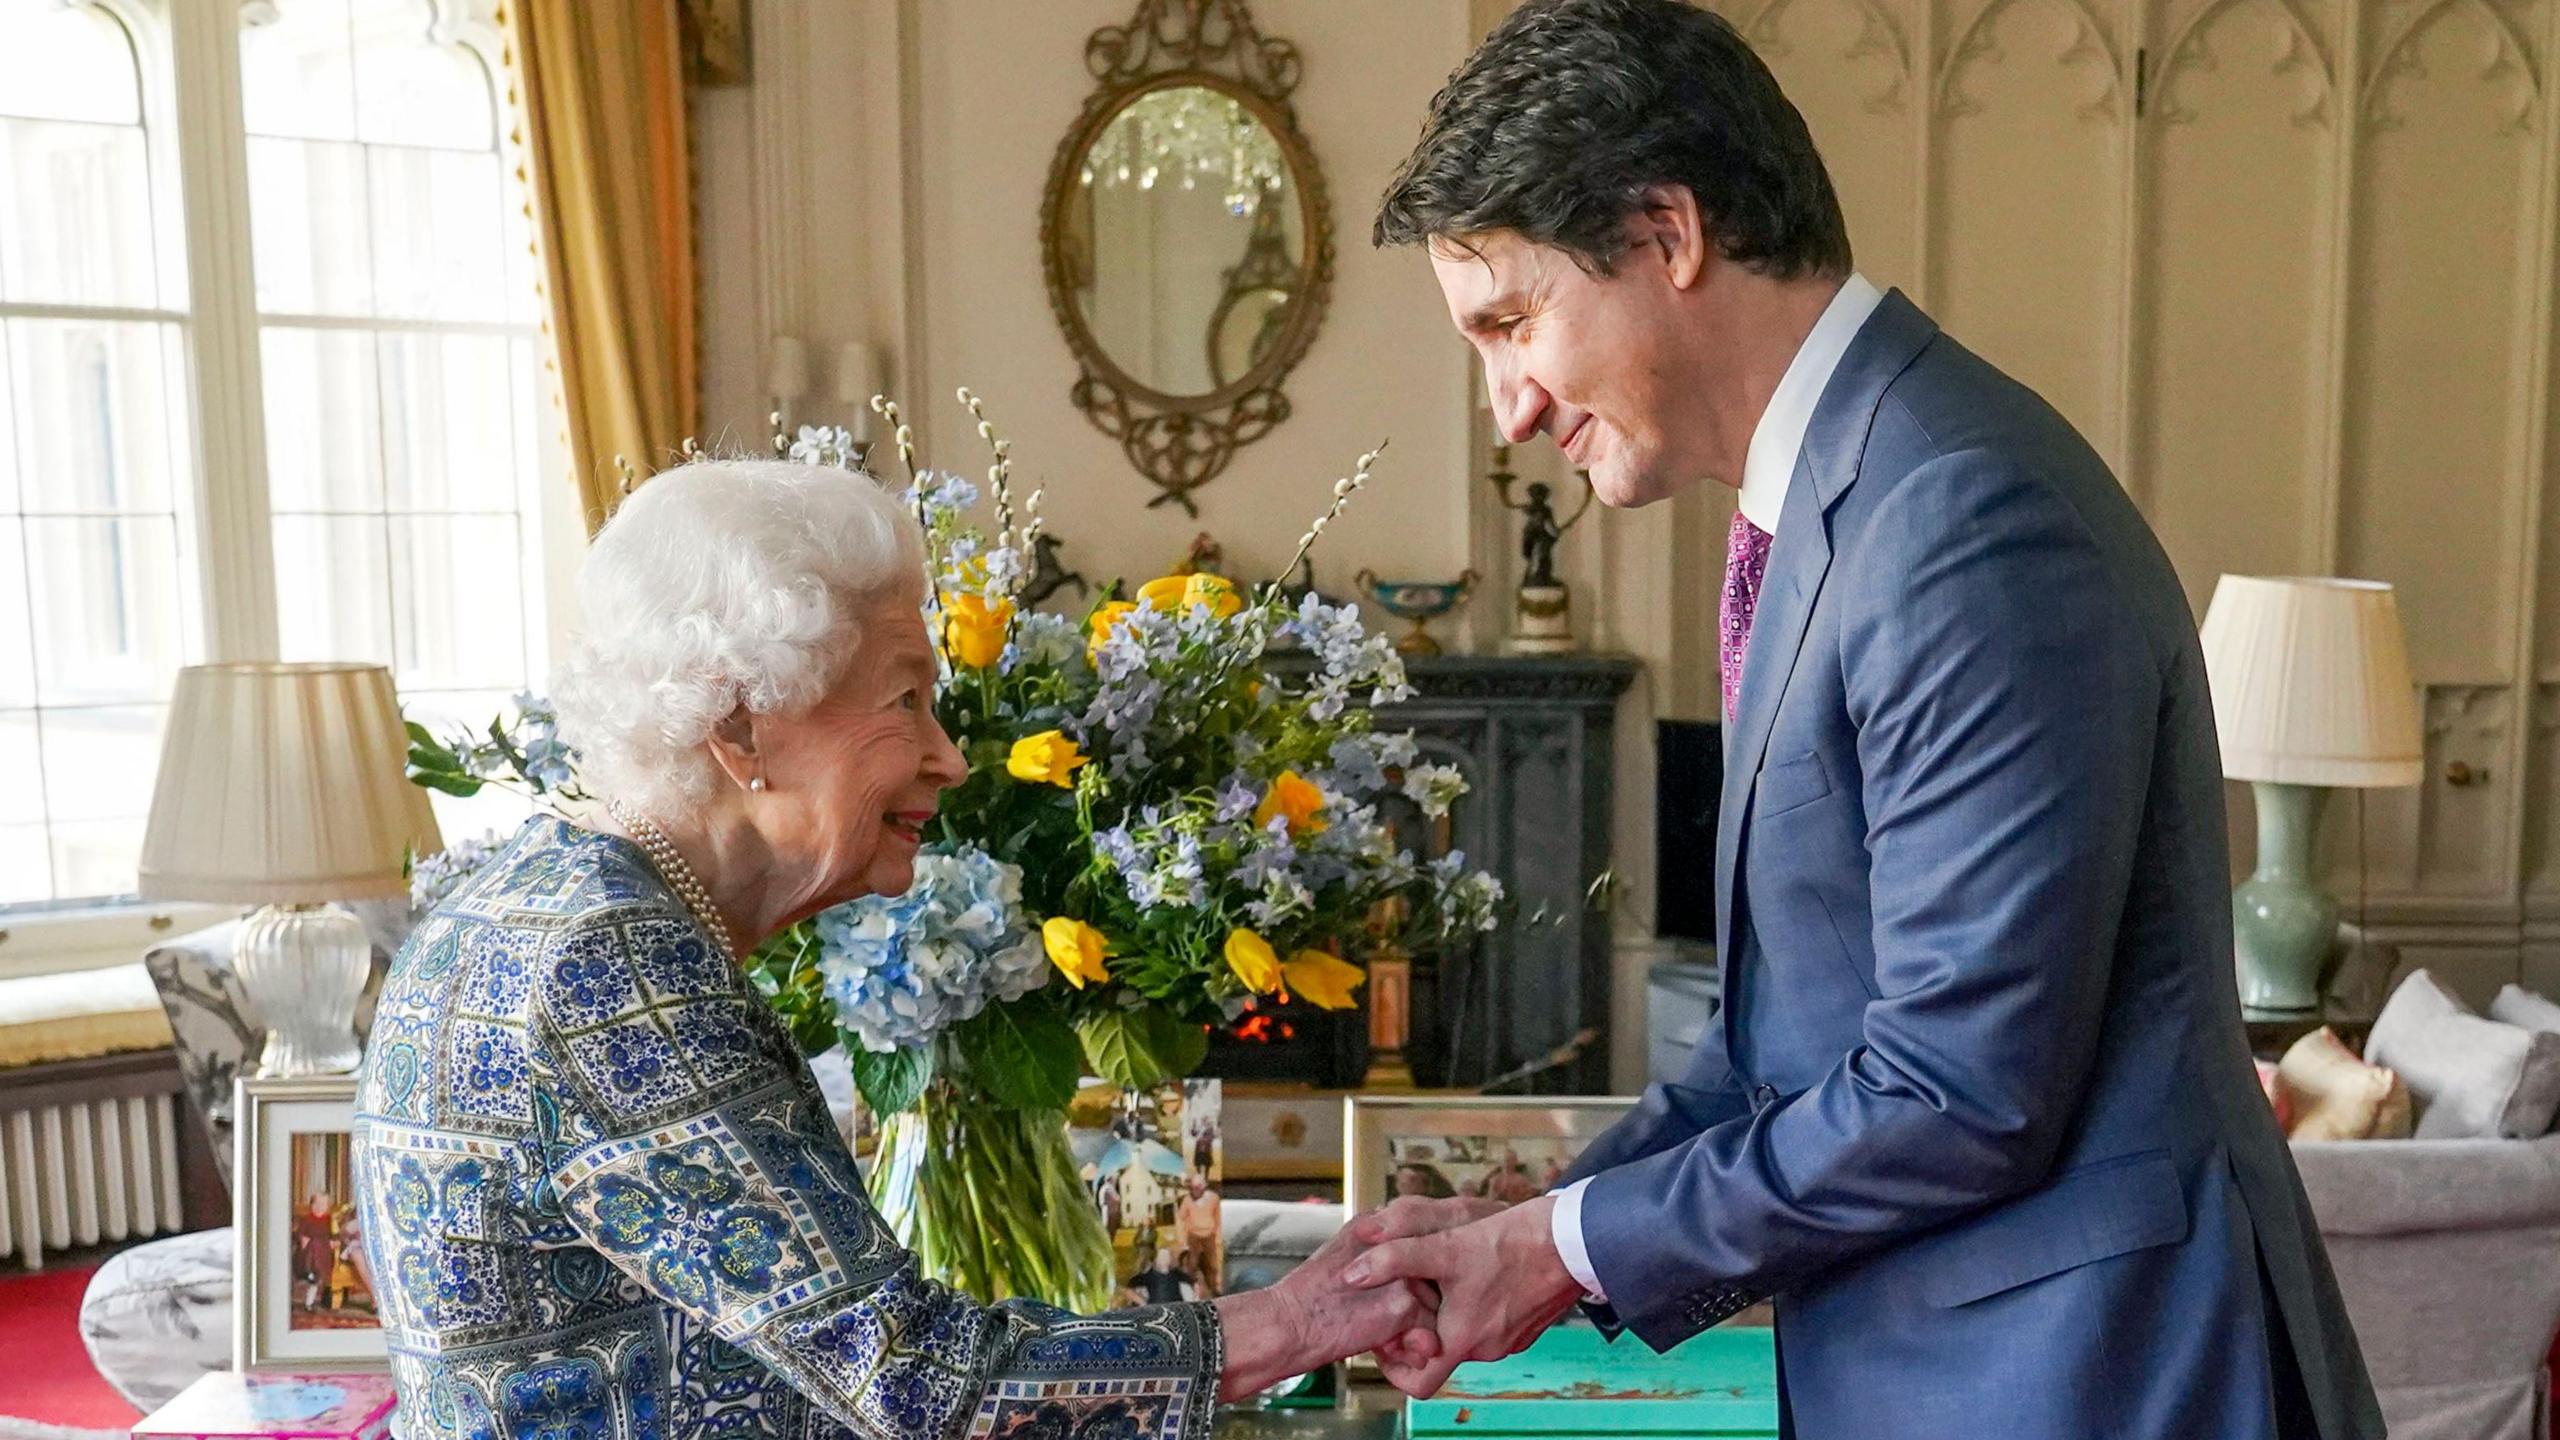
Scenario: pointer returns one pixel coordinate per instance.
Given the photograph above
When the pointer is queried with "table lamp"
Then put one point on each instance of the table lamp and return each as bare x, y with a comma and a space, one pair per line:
286, 786
2311, 691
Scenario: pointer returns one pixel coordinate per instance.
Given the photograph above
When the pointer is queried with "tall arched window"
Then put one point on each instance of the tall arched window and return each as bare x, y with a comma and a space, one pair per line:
94, 455
332, 450
397, 330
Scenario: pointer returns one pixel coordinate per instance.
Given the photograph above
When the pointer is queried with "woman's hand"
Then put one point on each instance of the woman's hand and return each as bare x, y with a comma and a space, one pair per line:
1311, 1319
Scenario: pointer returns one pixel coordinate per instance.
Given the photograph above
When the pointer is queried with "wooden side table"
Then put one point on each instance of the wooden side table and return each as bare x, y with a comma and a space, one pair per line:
2271, 1033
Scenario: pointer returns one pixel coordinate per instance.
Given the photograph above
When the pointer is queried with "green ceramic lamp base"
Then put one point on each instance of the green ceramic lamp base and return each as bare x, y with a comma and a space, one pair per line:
2283, 924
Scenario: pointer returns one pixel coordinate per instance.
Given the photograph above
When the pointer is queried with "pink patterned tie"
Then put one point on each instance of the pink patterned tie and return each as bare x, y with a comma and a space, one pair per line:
1746, 563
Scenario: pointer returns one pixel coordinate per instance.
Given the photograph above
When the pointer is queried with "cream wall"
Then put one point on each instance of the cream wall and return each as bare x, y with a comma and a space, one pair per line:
994, 84
880, 180
2288, 266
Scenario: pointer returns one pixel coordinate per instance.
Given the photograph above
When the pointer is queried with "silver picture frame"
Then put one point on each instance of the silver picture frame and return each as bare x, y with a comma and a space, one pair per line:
1382, 1134
277, 1121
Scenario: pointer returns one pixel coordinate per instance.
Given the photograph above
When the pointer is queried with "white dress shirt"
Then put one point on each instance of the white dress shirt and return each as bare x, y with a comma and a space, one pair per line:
1767, 469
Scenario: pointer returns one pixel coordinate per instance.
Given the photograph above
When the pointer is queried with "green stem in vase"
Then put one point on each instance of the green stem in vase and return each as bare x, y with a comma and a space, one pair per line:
990, 1202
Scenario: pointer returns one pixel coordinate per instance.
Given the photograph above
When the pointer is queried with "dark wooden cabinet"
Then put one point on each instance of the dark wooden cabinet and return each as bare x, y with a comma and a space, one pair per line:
1535, 739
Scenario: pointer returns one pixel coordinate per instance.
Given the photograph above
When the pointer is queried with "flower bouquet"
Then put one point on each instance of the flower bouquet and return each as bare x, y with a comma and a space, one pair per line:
1154, 832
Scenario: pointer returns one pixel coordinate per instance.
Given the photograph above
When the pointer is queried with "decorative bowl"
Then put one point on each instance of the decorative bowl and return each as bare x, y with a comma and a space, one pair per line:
1420, 602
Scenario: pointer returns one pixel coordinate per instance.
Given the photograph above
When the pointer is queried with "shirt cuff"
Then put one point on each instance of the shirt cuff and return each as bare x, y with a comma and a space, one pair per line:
1566, 1220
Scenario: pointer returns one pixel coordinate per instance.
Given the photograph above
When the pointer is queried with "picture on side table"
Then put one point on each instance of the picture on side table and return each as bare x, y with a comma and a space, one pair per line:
306, 1295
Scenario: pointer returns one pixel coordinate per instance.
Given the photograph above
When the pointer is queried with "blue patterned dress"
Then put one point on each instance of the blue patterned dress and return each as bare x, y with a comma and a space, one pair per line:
604, 1199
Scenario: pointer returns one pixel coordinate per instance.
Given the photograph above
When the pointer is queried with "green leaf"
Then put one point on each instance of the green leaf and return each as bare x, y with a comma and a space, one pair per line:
506, 747
462, 785
892, 1082
1023, 1054
419, 734
1142, 1047
813, 1029
429, 756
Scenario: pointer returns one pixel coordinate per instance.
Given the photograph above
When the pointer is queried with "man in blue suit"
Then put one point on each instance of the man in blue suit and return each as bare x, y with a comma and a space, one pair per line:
1979, 1115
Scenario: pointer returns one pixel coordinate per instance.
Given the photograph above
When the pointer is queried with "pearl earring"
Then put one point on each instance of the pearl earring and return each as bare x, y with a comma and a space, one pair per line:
756, 784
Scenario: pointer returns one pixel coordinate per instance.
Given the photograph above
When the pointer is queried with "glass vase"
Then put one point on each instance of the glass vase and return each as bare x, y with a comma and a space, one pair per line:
990, 1201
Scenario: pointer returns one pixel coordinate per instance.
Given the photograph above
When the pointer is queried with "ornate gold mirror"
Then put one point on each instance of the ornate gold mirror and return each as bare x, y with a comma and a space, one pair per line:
1186, 239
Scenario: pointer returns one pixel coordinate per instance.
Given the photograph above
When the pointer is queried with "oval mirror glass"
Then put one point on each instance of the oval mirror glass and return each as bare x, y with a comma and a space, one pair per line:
1185, 241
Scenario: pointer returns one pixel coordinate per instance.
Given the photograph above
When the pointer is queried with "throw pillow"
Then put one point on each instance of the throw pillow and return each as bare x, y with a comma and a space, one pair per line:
2472, 1078
2518, 1006
2275, 1095
2328, 1094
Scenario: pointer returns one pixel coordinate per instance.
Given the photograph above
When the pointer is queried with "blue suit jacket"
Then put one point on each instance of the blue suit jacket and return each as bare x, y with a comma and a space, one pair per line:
1980, 1113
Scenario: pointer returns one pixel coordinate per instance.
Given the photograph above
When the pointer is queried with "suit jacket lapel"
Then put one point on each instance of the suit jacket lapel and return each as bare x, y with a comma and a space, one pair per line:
1799, 560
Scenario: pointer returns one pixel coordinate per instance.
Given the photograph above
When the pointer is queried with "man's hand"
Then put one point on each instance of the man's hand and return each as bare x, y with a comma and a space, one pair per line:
1499, 1279
1411, 1215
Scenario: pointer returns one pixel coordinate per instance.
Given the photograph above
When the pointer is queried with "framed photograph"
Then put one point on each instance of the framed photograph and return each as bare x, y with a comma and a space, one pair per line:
1279, 1130
305, 1294
1152, 1160
1501, 1147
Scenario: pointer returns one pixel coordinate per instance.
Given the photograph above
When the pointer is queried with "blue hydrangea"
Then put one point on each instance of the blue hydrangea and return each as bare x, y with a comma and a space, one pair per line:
903, 968
1041, 638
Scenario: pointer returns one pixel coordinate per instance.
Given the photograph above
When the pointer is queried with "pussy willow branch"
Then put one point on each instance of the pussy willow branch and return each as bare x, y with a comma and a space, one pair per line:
998, 474
887, 409
1343, 490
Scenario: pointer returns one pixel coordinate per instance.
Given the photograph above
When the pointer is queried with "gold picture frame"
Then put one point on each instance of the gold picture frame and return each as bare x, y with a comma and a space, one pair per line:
1504, 1147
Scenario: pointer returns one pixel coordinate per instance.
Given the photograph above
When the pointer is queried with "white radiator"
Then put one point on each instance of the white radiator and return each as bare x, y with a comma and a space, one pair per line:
85, 1173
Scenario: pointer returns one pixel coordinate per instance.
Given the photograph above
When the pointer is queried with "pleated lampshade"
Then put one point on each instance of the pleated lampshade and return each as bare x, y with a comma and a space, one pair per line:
283, 785
2311, 682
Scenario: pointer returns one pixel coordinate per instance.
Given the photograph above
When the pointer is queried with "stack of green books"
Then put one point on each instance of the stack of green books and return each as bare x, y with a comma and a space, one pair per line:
1722, 1383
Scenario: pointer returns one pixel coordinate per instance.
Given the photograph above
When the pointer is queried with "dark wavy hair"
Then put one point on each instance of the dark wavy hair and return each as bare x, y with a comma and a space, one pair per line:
1570, 109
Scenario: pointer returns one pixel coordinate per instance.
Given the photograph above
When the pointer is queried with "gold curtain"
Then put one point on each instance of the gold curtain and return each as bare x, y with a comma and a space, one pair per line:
599, 91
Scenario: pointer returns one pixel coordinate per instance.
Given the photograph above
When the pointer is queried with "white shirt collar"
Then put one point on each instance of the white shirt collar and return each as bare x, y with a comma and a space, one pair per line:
1779, 437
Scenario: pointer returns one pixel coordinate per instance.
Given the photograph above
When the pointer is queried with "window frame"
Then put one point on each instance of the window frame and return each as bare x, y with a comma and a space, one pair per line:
187, 54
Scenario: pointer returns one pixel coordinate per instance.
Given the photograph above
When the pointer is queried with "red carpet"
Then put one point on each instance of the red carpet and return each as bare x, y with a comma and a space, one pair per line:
47, 1377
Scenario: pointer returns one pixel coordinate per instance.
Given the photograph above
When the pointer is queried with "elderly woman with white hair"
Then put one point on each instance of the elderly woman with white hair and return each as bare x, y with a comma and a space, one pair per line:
599, 1185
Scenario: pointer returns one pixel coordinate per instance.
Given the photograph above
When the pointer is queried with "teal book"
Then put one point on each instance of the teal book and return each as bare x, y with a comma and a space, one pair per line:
1572, 1382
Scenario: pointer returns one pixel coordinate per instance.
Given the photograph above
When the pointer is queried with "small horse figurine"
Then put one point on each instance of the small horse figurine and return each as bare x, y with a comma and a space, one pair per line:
1048, 574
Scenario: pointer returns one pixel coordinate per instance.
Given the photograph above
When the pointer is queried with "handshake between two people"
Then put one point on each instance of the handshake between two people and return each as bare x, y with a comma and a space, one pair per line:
1425, 1285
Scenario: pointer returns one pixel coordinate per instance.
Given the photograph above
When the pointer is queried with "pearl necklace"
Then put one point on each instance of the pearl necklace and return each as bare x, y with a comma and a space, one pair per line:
678, 875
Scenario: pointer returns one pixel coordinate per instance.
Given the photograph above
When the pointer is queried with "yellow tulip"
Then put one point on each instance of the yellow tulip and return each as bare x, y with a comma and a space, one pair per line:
1048, 758
1178, 593
973, 631
1106, 617
1253, 960
1322, 980
1215, 591
1294, 796
1077, 949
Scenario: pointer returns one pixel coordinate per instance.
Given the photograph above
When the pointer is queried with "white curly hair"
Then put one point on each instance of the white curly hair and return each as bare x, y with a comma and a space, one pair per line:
720, 583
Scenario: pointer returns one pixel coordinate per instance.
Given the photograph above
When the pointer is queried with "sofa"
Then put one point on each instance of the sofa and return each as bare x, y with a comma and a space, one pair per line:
2432, 1165
2448, 1255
